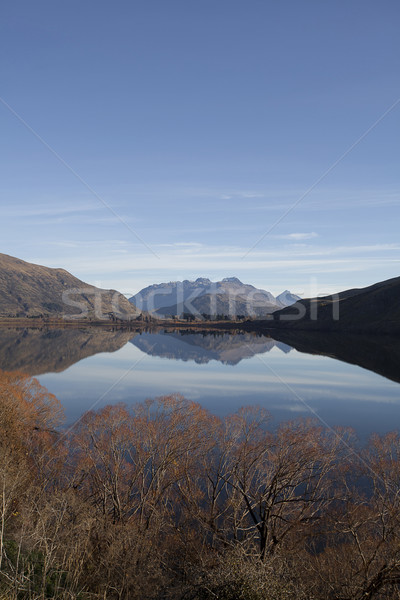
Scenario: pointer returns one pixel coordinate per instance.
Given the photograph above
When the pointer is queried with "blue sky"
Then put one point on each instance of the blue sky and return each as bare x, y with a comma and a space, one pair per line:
153, 141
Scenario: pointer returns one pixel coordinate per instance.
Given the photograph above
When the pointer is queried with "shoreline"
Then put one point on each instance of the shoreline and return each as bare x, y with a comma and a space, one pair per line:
264, 327
113, 325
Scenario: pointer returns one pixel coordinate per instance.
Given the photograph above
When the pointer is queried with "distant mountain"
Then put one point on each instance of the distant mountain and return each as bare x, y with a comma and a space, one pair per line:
287, 298
203, 296
160, 295
188, 346
372, 309
28, 290
223, 304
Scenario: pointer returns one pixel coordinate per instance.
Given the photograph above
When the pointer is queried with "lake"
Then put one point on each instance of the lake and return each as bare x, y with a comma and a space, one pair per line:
342, 380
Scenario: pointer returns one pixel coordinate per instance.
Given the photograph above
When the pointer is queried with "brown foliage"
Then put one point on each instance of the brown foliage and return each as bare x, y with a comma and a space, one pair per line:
165, 500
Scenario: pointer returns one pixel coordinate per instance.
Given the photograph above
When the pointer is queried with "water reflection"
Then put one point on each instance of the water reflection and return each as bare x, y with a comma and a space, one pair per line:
202, 347
380, 354
42, 350
290, 377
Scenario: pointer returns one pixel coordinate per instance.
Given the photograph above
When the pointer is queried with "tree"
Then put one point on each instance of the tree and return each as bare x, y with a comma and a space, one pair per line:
362, 555
28, 417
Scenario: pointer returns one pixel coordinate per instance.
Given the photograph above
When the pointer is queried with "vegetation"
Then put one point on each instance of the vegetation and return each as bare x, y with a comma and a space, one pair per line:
165, 500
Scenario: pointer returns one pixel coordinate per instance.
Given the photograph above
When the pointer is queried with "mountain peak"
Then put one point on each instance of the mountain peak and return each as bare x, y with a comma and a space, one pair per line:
231, 280
287, 298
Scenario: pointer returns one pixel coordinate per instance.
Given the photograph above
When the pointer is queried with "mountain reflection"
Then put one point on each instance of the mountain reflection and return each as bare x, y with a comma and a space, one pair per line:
36, 351
378, 353
201, 347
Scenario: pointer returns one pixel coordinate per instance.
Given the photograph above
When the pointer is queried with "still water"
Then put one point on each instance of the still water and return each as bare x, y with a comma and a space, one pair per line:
351, 381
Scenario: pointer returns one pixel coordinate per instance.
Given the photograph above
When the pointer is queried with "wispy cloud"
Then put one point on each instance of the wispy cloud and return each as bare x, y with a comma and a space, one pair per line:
66, 214
324, 199
48, 210
180, 245
296, 237
82, 219
309, 271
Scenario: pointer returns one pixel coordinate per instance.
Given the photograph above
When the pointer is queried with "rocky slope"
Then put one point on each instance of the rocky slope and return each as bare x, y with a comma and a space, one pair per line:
28, 290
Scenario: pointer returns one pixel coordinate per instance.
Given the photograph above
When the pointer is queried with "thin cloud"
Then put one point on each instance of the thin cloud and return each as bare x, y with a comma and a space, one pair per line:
297, 237
181, 245
48, 210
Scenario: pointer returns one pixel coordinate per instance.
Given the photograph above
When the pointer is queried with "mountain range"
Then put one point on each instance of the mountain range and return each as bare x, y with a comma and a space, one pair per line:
29, 290
205, 297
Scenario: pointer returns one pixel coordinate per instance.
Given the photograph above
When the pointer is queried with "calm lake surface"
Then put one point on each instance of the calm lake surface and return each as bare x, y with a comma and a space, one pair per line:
88, 369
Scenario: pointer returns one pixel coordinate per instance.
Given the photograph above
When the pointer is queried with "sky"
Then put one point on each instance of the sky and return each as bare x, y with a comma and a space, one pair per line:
160, 140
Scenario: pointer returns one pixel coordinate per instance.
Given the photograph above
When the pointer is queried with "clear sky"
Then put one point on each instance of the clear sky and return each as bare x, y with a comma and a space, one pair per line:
157, 140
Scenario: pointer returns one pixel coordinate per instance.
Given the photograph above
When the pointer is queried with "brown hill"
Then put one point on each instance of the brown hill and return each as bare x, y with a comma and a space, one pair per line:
28, 290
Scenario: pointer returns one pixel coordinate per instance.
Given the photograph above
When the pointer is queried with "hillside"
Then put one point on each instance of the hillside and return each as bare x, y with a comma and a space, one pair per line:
203, 296
372, 309
29, 290
223, 304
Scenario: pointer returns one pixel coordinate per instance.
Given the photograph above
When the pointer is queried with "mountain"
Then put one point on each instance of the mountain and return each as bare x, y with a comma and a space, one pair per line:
160, 295
287, 298
374, 309
203, 296
28, 290
223, 304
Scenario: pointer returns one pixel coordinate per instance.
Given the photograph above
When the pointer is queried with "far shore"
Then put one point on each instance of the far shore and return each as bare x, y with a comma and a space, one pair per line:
260, 326
35, 323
